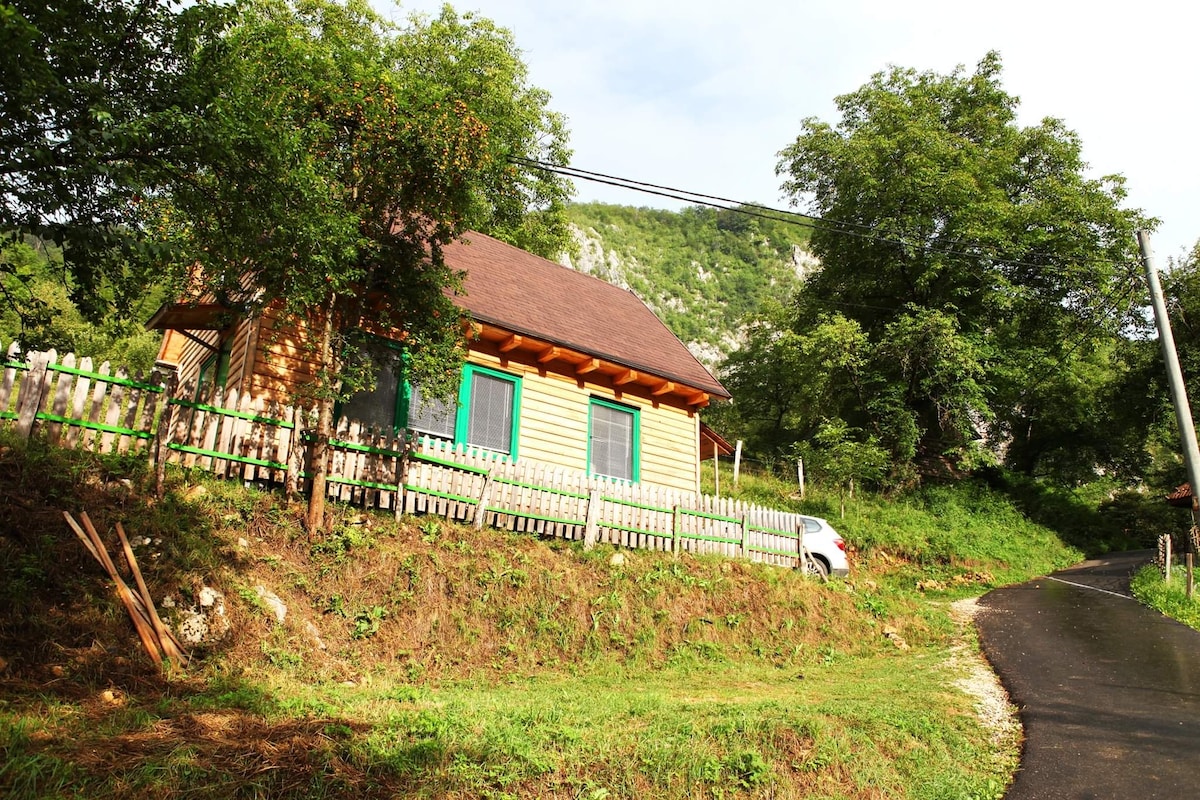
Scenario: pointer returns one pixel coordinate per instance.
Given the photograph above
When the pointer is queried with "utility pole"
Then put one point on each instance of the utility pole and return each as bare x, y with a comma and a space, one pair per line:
1183, 411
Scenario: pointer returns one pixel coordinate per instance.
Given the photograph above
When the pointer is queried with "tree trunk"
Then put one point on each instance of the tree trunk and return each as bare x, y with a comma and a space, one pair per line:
319, 455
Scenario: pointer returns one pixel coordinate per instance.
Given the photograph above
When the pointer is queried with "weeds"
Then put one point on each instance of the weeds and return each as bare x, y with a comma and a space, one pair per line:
455, 662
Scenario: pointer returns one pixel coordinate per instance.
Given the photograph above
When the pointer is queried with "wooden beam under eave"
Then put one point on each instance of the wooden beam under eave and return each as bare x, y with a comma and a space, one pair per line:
666, 388
699, 399
590, 365
550, 354
511, 343
628, 376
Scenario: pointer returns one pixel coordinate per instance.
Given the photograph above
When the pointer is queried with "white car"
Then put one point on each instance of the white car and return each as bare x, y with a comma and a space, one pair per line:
826, 548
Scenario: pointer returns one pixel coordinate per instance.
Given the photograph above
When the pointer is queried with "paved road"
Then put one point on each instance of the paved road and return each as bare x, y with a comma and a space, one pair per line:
1109, 690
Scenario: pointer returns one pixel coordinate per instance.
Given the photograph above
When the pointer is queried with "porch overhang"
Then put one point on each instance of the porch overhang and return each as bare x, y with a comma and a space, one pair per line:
192, 317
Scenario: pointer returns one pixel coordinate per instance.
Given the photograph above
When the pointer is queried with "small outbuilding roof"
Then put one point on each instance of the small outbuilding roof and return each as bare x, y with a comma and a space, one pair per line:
1181, 497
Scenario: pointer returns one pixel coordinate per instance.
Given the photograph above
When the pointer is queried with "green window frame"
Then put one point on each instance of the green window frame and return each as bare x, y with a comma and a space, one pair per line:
614, 440
214, 370
489, 410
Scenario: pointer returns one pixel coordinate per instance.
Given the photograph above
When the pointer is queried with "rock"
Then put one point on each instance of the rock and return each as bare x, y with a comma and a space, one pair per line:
206, 622
618, 559
272, 602
314, 635
195, 493
242, 543
891, 634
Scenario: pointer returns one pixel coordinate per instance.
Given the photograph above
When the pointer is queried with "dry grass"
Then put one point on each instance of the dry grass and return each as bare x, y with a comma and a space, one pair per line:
418, 658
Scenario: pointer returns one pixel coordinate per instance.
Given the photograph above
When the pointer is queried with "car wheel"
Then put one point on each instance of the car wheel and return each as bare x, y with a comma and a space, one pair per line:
814, 567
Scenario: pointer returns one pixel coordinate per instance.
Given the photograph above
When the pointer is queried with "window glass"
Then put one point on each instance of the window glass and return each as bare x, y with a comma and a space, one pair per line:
377, 407
432, 416
612, 442
490, 420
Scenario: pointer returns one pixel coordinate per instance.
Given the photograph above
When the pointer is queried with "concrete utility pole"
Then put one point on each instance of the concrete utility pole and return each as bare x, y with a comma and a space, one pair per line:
1183, 410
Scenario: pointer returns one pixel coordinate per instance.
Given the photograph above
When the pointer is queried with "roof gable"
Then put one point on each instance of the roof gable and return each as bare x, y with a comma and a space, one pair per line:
529, 295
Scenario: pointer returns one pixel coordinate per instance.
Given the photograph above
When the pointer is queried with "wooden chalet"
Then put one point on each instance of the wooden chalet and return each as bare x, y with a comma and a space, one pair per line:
563, 369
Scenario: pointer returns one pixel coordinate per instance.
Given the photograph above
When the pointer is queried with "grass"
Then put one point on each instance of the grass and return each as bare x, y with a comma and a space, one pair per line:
1169, 597
419, 658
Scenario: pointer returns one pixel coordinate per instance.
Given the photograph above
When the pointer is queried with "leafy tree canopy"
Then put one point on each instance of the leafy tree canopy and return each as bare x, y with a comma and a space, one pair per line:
339, 154
91, 119
974, 254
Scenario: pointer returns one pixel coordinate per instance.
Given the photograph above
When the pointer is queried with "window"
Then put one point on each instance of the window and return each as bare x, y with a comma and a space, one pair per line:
488, 410
485, 414
433, 416
379, 407
613, 440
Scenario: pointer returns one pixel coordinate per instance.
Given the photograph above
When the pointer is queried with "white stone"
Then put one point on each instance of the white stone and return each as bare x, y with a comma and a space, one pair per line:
272, 602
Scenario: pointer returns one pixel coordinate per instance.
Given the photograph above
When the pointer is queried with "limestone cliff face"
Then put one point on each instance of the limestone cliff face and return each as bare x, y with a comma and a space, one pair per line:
594, 259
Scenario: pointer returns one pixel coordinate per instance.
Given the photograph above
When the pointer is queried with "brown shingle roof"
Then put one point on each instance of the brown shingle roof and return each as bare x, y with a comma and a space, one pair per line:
529, 295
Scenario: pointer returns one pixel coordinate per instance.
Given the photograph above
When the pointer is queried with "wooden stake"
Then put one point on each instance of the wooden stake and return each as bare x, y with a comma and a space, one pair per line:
140, 622
167, 641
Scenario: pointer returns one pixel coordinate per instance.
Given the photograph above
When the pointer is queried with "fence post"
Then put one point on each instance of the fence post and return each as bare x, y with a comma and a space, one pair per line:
33, 386
402, 471
484, 496
591, 529
10, 374
677, 539
745, 535
801, 553
158, 453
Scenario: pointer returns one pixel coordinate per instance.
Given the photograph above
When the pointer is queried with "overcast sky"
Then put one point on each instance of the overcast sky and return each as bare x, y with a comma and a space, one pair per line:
702, 94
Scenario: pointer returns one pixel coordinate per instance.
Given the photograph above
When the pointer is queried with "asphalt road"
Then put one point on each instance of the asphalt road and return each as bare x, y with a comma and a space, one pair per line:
1108, 690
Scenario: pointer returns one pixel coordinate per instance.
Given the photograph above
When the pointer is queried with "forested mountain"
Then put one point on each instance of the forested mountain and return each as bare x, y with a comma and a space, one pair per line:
702, 270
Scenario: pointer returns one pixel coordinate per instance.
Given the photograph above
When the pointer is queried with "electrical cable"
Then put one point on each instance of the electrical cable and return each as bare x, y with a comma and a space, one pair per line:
767, 212
844, 228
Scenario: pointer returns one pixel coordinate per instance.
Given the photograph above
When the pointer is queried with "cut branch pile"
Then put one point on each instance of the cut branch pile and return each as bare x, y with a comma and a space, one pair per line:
158, 640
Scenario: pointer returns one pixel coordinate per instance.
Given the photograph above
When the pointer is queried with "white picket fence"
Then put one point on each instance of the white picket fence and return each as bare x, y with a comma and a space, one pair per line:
76, 404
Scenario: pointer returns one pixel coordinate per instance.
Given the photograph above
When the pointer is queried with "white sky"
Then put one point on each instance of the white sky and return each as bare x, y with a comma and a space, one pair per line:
701, 95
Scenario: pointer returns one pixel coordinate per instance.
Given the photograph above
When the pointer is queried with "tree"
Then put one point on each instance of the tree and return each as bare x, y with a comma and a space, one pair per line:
91, 119
338, 157
974, 254
842, 456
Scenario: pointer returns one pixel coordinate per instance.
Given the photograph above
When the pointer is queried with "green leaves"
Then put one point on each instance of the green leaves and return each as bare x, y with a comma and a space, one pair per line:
89, 125
973, 253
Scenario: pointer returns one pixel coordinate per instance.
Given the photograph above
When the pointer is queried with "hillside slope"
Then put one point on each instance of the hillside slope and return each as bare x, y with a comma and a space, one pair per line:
412, 657
700, 269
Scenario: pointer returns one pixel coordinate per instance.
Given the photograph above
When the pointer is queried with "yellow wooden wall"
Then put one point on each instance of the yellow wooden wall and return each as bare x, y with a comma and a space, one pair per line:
554, 402
554, 422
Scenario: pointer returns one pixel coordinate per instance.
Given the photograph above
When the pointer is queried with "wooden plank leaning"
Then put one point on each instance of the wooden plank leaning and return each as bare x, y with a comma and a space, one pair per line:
95, 545
170, 646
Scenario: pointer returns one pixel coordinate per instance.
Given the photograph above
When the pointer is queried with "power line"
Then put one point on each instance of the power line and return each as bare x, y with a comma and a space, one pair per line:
867, 232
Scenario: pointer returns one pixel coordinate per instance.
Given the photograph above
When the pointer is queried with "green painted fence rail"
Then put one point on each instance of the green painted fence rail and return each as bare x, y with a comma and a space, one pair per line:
80, 405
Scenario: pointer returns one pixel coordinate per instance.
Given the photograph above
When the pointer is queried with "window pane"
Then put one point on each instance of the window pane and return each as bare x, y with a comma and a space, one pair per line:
376, 408
431, 416
491, 422
612, 442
